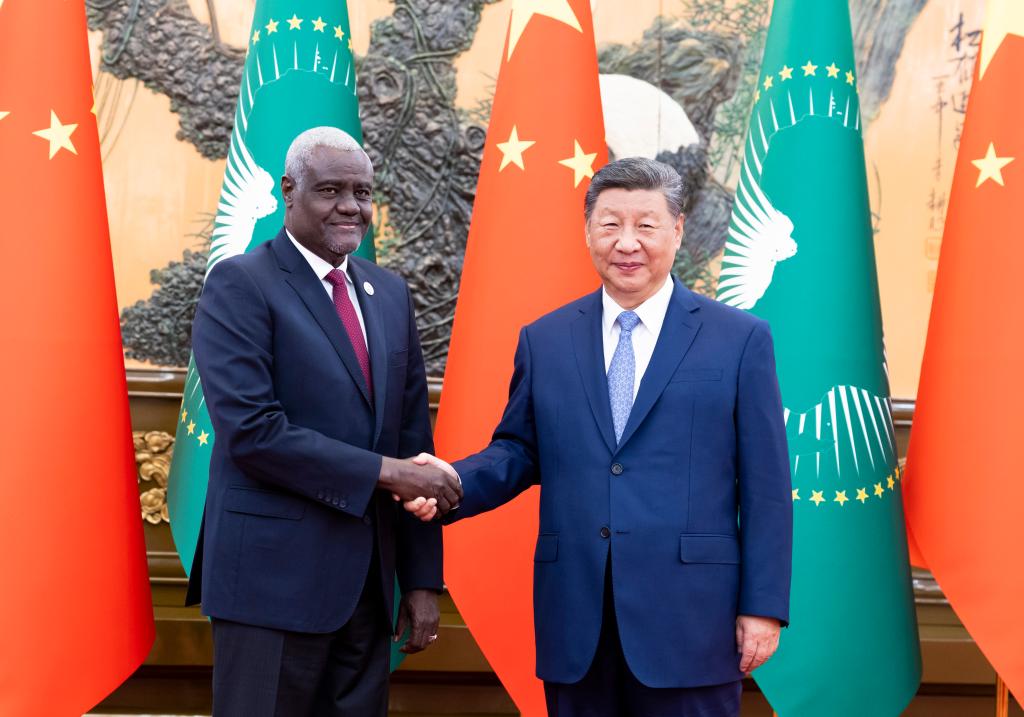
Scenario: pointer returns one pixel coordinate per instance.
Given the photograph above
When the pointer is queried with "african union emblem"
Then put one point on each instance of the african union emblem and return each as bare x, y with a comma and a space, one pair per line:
299, 73
800, 254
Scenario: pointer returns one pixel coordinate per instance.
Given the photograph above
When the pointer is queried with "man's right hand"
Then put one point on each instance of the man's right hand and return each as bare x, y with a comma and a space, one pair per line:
408, 481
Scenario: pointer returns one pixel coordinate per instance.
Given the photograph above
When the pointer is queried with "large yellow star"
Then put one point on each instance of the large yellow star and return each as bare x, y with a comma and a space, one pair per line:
786, 73
272, 26
817, 498
841, 497
319, 25
1002, 18
809, 68
512, 150
862, 495
524, 10
582, 165
991, 166
338, 32
203, 438
295, 22
833, 71
58, 135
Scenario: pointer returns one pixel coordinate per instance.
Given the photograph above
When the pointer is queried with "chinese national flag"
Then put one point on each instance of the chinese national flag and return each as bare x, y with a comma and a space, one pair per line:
526, 256
75, 611
963, 486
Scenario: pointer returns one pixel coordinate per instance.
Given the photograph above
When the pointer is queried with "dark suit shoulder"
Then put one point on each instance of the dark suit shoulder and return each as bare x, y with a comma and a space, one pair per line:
727, 316
563, 315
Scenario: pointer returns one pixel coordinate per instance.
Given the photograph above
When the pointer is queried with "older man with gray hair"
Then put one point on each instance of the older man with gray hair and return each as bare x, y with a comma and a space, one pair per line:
314, 379
650, 416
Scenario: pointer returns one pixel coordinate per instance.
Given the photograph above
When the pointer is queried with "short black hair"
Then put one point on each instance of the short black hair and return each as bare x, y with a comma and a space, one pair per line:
636, 173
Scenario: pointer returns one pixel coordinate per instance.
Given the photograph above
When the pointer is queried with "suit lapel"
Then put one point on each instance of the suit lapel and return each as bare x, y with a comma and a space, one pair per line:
589, 349
376, 340
677, 334
308, 286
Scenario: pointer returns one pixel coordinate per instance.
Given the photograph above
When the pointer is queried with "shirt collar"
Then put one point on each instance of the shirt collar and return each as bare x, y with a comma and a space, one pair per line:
320, 267
651, 312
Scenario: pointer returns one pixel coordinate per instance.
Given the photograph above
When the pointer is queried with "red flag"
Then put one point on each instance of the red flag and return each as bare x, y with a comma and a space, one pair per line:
963, 486
526, 256
76, 613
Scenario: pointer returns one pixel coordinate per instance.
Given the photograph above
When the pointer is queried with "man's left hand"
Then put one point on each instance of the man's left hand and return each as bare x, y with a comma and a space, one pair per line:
757, 638
418, 611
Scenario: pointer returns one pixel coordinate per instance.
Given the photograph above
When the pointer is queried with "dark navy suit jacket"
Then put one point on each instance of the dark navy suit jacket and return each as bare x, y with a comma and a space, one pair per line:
693, 504
293, 509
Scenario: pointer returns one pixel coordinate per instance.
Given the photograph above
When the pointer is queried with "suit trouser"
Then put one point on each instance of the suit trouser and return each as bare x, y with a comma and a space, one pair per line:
609, 689
263, 672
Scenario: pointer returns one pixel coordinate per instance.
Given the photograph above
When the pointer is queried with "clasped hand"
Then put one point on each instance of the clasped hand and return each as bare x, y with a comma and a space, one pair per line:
425, 485
425, 506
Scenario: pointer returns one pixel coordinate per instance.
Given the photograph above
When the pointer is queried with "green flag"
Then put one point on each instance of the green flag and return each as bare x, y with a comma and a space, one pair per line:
800, 254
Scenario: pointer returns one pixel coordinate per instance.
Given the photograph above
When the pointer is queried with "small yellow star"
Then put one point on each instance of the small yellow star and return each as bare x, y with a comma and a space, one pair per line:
256, 37
841, 497
833, 71
796, 494
338, 32
295, 23
817, 498
191, 427
809, 69
991, 166
272, 26
582, 165
350, 44
849, 78
768, 82
757, 95
319, 25
786, 73
184, 415
203, 437
58, 135
879, 490
892, 482
862, 495
512, 150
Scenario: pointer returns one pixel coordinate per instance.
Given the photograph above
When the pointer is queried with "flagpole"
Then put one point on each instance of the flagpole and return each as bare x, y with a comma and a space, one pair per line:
1002, 698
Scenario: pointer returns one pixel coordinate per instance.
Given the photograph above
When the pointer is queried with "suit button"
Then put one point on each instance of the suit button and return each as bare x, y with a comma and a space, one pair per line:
320, 495
334, 501
616, 469
342, 503
605, 533
367, 520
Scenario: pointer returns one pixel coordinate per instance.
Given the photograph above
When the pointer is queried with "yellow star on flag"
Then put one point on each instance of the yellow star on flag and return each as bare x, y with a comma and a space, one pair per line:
796, 494
833, 71
272, 26
892, 482
757, 95
203, 438
768, 82
786, 73
295, 23
1002, 18
849, 78
809, 69
523, 12
58, 135
841, 497
4, 114
191, 427
512, 150
817, 498
338, 32
582, 165
879, 490
184, 415
862, 495
256, 37
991, 166
319, 25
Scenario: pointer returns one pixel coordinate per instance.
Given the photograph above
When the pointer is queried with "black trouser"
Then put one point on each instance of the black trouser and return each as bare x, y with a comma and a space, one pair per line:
262, 672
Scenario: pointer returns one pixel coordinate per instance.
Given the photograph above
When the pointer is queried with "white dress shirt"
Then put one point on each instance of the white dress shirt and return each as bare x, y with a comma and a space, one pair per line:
322, 268
645, 335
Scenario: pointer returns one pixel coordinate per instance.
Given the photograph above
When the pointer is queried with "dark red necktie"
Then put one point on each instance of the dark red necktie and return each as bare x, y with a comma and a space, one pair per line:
349, 319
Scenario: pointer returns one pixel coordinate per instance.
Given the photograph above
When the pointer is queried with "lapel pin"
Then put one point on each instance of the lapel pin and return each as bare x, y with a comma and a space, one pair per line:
368, 288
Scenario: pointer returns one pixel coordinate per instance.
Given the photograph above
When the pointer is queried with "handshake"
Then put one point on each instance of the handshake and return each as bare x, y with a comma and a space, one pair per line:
425, 485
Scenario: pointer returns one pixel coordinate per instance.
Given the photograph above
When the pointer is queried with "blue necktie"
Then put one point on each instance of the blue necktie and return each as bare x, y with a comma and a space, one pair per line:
622, 373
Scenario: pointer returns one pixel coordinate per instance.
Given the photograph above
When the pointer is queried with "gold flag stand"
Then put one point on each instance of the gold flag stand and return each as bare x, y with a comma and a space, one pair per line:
1002, 698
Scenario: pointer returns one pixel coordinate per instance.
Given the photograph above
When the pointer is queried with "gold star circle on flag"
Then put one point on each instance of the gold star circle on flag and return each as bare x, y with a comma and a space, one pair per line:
809, 69
255, 37
849, 78
991, 166
272, 26
862, 495
191, 427
512, 150
523, 12
892, 482
319, 25
295, 22
786, 73
879, 490
58, 135
817, 498
768, 82
203, 438
796, 494
841, 497
338, 32
833, 71
581, 164
184, 416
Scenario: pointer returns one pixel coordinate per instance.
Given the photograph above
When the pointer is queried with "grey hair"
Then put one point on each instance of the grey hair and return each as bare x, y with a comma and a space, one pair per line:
296, 161
633, 173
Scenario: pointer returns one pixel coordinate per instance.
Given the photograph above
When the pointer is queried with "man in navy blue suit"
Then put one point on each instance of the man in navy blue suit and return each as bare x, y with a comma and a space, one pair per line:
651, 418
314, 378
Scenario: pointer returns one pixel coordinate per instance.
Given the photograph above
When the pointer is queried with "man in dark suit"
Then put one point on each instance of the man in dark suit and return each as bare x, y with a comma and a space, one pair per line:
651, 418
313, 374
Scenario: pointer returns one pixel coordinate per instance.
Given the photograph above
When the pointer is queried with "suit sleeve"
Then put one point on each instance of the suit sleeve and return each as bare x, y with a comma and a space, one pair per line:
509, 464
419, 558
232, 339
765, 496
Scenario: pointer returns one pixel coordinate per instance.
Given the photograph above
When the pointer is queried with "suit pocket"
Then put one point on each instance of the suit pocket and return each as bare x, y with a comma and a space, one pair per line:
270, 504
697, 374
709, 549
547, 548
